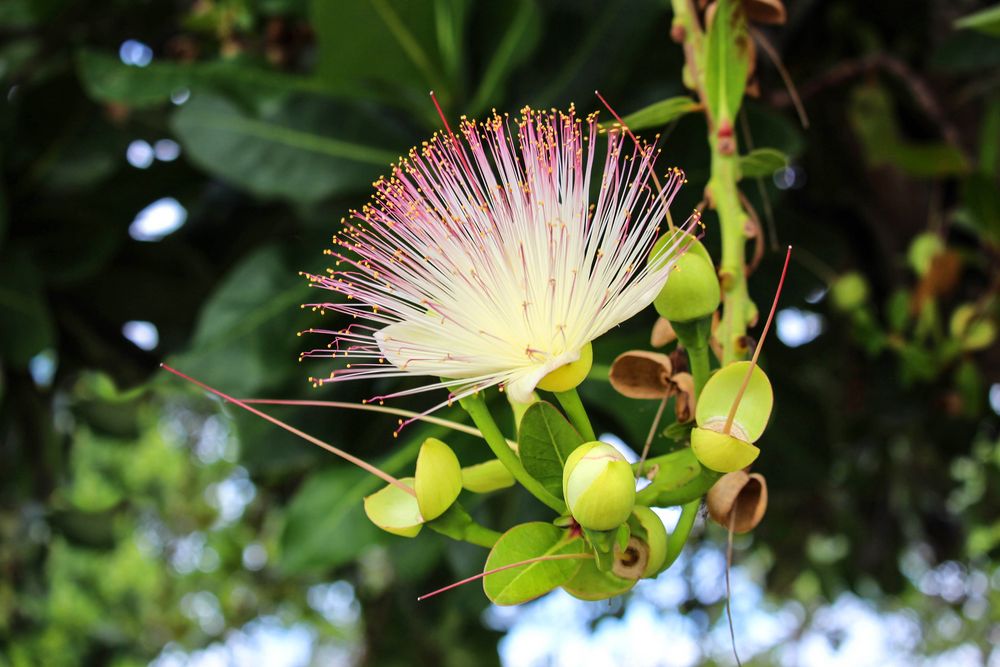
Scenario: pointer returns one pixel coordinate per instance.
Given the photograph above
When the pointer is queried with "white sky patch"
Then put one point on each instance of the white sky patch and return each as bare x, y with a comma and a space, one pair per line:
144, 335
42, 367
797, 327
133, 52
620, 445
158, 220
180, 96
140, 154
166, 150
995, 397
817, 295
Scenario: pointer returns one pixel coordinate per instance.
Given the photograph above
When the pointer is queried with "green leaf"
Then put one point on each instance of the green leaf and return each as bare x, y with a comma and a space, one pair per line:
387, 46
107, 79
986, 21
727, 62
26, 325
515, 47
657, 114
256, 305
326, 525
981, 206
762, 162
871, 114
282, 152
527, 582
544, 442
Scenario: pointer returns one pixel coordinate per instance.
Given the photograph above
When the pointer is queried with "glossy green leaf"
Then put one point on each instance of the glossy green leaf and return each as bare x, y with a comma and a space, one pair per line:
519, 37
544, 441
590, 583
719, 394
107, 79
281, 152
657, 114
527, 582
762, 162
726, 63
322, 514
378, 46
986, 21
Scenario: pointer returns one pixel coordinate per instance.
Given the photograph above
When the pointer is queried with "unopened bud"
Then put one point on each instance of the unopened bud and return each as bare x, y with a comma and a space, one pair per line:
598, 486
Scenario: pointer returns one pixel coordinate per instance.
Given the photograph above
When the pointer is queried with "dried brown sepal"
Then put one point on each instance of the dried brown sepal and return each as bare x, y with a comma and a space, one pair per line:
631, 563
641, 374
940, 280
663, 333
740, 493
771, 12
684, 396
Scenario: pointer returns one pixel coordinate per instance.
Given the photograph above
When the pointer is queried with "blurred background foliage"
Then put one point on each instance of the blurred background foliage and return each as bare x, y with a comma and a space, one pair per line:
169, 167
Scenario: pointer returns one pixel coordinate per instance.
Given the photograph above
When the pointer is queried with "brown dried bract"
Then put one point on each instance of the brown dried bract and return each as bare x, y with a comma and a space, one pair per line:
740, 493
684, 393
641, 374
663, 333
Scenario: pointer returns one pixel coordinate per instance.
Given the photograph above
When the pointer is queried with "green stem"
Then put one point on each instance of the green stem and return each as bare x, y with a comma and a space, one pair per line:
571, 403
480, 413
732, 271
472, 533
678, 538
700, 367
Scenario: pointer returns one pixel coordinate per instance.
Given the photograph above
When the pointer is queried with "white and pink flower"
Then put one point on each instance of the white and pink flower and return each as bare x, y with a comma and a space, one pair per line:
481, 261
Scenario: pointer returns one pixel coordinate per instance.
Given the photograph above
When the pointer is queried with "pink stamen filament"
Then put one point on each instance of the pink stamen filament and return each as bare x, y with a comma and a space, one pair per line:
760, 344
364, 465
481, 575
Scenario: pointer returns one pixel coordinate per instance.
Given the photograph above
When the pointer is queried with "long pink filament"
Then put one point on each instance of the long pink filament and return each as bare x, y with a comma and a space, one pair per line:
760, 344
364, 465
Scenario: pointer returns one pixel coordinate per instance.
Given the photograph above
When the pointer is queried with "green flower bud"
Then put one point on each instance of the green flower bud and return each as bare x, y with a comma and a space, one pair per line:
439, 478
591, 583
486, 477
849, 292
922, 251
571, 375
649, 527
394, 510
691, 291
598, 486
974, 330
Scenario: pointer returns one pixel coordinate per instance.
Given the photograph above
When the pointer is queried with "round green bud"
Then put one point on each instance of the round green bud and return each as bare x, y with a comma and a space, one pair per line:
691, 291
922, 251
438, 478
971, 328
849, 292
571, 375
598, 486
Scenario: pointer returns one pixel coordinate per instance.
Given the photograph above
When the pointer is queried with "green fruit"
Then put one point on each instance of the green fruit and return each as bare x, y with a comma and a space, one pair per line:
691, 291
598, 486
849, 292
